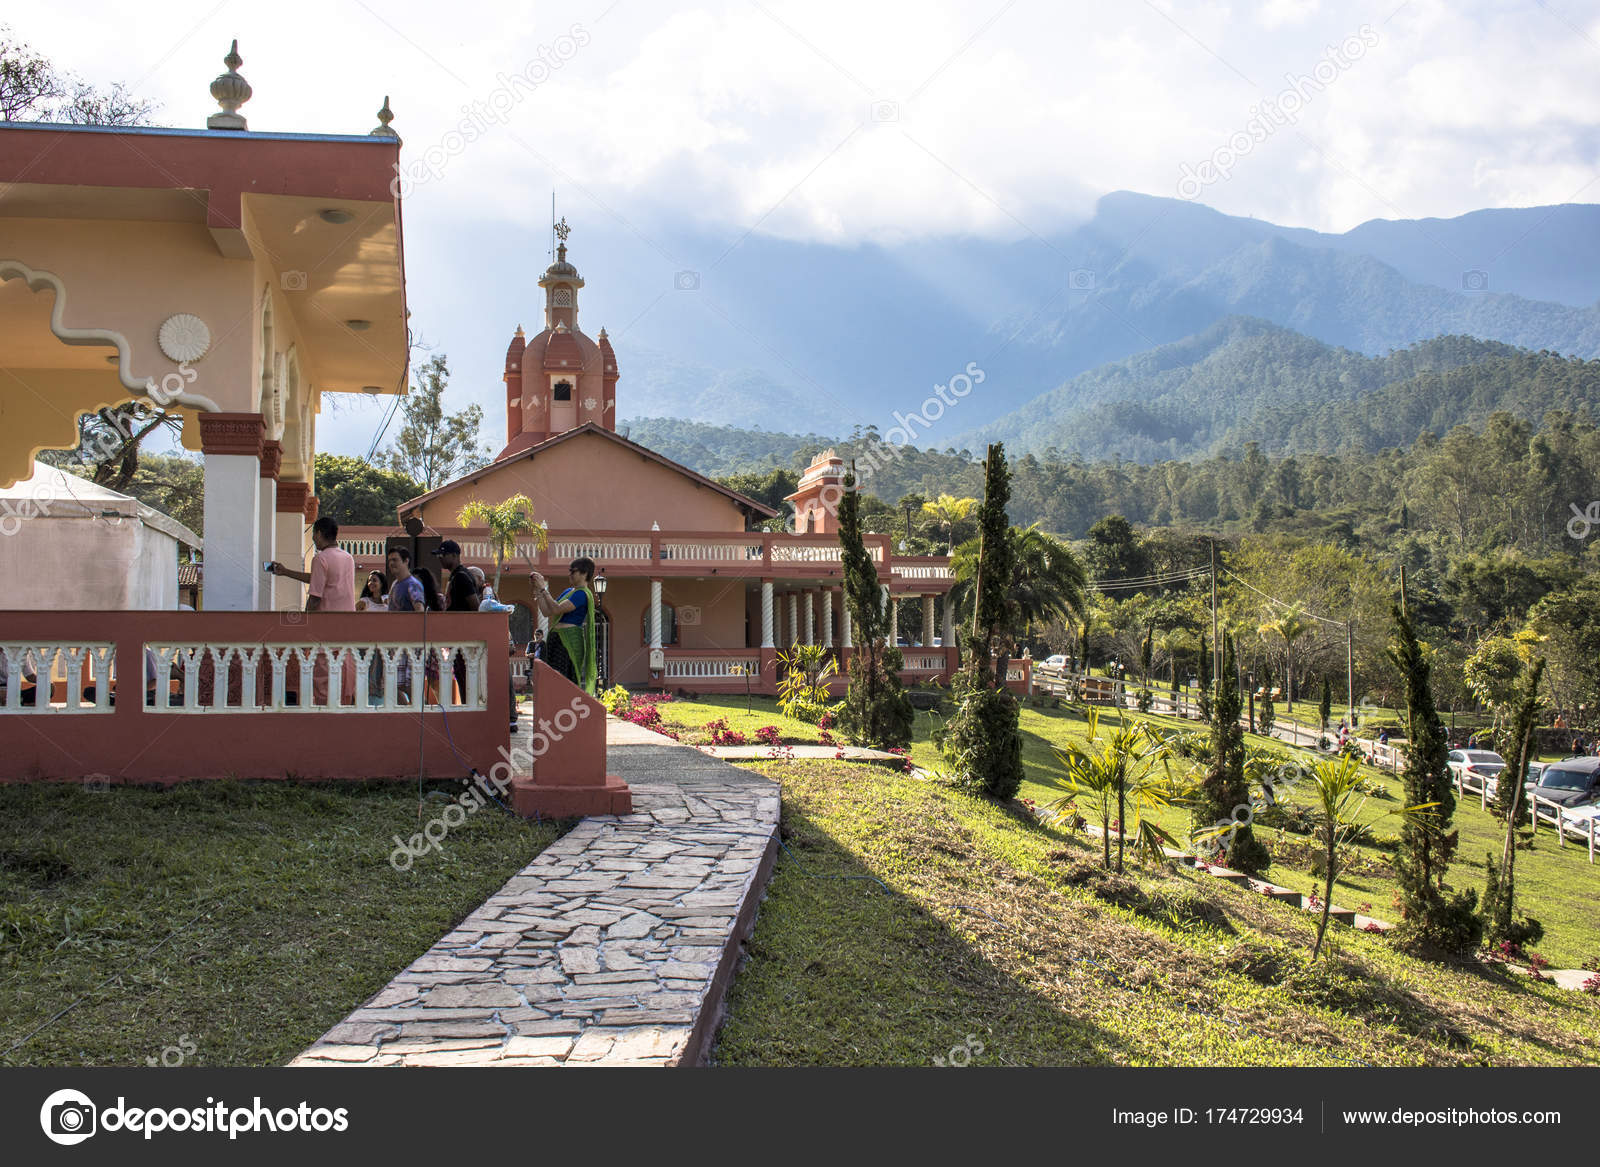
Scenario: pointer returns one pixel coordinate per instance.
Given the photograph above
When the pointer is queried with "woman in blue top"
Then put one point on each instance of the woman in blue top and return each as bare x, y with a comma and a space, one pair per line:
571, 648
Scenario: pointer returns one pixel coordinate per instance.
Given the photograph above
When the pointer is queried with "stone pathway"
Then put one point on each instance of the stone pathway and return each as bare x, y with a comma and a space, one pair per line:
759, 753
615, 946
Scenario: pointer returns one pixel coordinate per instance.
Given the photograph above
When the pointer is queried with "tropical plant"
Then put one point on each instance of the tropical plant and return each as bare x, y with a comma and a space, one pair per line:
1336, 802
803, 683
1499, 893
507, 522
946, 513
1128, 768
1047, 582
1268, 715
1289, 626
1224, 787
617, 701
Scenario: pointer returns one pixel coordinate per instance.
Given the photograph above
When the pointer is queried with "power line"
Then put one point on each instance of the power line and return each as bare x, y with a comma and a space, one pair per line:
1285, 603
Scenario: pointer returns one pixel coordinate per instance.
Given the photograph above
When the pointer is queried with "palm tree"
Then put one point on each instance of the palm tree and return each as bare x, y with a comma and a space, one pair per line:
1049, 581
1111, 772
1290, 625
507, 521
946, 511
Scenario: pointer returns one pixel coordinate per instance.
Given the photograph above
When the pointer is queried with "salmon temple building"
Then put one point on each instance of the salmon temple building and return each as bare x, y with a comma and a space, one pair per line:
695, 595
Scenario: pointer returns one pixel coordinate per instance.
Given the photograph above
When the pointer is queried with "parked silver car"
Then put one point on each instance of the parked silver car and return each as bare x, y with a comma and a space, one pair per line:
1473, 768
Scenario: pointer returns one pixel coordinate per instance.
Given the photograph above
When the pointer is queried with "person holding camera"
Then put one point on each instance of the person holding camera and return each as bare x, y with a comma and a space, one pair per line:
331, 587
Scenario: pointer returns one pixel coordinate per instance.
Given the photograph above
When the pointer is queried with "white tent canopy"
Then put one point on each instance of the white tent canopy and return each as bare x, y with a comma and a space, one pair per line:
66, 543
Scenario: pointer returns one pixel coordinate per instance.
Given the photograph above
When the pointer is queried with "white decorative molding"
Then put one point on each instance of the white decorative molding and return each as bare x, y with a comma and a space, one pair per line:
184, 337
37, 281
589, 403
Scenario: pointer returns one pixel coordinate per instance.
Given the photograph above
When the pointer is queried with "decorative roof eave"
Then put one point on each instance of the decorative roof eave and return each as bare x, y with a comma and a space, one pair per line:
745, 502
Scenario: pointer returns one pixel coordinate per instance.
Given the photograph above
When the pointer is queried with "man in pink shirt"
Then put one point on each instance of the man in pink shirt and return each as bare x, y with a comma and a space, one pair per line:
332, 581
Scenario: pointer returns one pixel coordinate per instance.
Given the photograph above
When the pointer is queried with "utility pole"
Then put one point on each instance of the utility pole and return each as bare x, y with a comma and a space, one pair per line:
1216, 649
1403, 611
1350, 668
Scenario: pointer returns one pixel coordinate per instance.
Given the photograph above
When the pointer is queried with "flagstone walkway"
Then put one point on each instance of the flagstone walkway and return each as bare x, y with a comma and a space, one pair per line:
614, 947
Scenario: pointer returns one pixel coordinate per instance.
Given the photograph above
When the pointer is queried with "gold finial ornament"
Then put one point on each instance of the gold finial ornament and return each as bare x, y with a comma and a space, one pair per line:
231, 91
562, 230
385, 116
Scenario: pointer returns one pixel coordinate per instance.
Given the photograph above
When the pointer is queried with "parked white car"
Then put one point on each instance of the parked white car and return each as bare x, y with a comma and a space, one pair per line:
1058, 661
1474, 767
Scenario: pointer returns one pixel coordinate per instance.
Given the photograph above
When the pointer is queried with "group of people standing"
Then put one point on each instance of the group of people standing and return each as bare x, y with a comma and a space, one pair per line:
406, 587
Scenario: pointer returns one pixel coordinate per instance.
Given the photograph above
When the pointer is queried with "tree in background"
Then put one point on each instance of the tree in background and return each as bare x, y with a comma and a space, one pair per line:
876, 711
1267, 716
1325, 706
359, 494
1224, 786
434, 447
1431, 923
507, 521
981, 740
34, 89
1047, 583
951, 516
1288, 626
1500, 887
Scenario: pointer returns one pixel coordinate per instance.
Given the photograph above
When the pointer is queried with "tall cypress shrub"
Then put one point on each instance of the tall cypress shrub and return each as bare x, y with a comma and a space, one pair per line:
1432, 924
981, 741
876, 710
1225, 787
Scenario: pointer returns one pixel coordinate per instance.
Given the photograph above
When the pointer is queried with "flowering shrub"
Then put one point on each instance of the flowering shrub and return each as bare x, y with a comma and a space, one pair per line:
617, 700
768, 735
838, 754
1369, 926
1511, 950
905, 755
1592, 985
1535, 974
825, 723
721, 735
824, 738
1538, 961
647, 716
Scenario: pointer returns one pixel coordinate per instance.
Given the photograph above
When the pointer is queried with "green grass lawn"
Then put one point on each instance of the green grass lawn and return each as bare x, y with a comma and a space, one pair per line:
1557, 886
907, 922
229, 923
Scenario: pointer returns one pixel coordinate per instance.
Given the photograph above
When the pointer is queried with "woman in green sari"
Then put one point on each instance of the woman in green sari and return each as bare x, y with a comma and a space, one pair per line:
571, 650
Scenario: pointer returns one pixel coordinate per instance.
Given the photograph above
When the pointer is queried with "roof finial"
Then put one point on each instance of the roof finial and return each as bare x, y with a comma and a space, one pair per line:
562, 231
519, 330
385, 116
231, 91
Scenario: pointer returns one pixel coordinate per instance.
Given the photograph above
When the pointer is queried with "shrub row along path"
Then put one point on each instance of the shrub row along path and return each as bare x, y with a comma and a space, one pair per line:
614, 947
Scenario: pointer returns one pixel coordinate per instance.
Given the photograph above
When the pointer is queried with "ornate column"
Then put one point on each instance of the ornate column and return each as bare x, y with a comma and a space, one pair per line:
894, 619
288, 595
927, 621
844, 626
766, 614
769, 650
827, 617
952, 655
273, 587
657, 659
806, 627
794, 619
232, 444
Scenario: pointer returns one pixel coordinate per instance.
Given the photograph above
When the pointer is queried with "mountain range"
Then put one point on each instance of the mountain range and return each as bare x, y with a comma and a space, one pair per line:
795, 336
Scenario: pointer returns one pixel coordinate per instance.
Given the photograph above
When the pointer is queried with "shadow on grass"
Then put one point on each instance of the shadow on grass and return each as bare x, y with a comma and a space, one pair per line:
843, 972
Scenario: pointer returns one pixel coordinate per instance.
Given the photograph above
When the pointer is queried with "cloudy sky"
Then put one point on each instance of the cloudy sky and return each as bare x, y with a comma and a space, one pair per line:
871, 121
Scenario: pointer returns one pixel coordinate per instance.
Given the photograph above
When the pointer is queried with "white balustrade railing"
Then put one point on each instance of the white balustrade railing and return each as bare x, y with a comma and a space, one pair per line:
926, 664
309, 678
601, 551
29, 673
713, 666
363, 548
716, 551
817, 552
923, 571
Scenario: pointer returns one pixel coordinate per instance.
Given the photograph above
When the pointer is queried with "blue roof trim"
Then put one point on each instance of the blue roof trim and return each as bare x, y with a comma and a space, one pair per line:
168, 132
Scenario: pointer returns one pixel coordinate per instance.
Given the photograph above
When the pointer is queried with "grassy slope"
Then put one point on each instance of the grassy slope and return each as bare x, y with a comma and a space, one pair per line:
1558, 887
981, 936
246, 918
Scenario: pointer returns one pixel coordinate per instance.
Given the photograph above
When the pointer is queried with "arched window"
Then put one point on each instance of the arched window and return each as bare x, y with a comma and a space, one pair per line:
669, 625
563, 391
